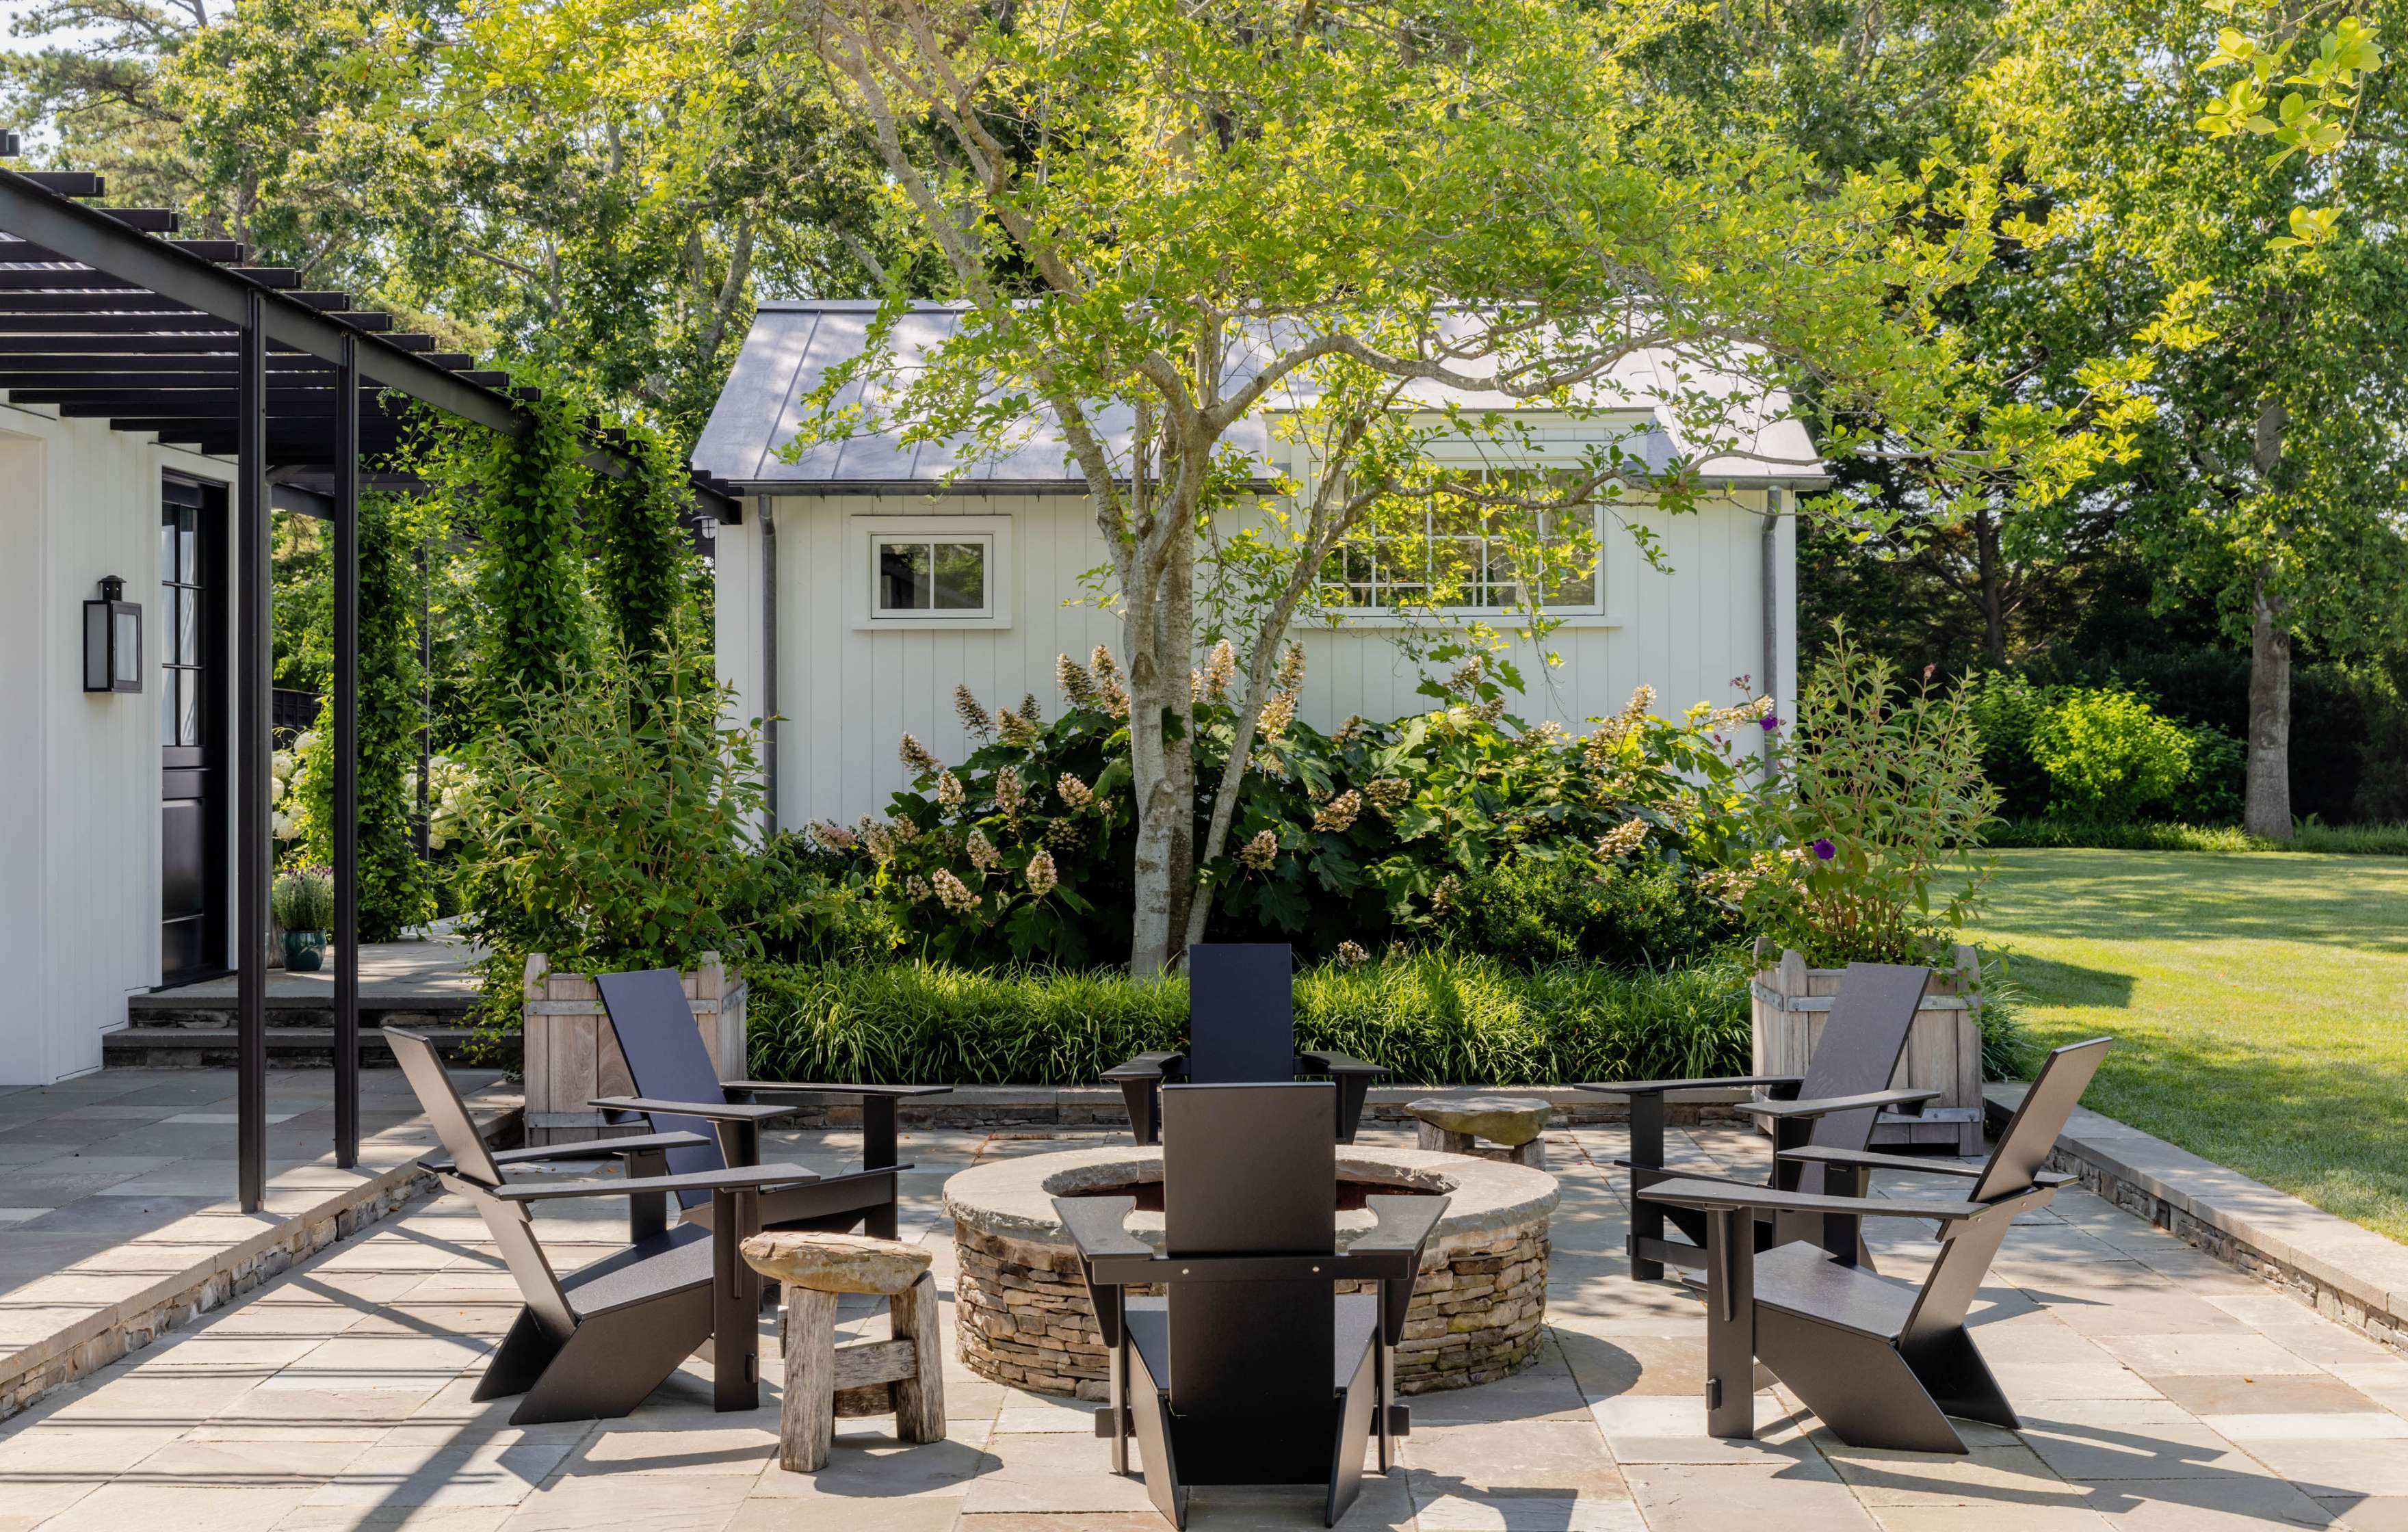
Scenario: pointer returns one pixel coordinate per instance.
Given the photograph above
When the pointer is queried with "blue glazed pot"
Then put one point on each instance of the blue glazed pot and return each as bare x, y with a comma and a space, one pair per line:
305, 951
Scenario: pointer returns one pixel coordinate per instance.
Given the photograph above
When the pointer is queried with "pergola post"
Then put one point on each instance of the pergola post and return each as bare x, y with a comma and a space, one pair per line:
346, 750
254, 661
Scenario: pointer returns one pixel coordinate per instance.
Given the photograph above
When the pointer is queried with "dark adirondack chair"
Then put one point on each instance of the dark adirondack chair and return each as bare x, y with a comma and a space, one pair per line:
1884, 1362
1253, 1370
1834, 1104
593, 1344
678, 1090
1240, 1031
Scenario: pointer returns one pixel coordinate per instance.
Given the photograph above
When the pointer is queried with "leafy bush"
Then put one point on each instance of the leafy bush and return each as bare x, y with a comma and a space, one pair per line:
2109, 756
1883, 799
396, 890
1363, 836
2005, 707
612, 823
1534, 911
1432, 1018
2309, 837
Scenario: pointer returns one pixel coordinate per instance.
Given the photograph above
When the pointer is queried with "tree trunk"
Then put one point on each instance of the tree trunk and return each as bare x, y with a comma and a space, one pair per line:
1175, 651
1150, 872
1991, 590
2267, 807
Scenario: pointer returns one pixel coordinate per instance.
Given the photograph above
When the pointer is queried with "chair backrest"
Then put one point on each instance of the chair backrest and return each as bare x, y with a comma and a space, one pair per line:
668, 1060
2021, 1153
1241, 1013
513, 1232
1864, 1034
1252, 1171
445, 1112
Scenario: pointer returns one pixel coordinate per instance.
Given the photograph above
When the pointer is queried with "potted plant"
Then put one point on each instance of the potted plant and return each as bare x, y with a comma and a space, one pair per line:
1876, 819
303, 901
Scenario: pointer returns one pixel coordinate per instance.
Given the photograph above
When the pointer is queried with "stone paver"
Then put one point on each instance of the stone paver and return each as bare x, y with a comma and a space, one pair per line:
2156, 1394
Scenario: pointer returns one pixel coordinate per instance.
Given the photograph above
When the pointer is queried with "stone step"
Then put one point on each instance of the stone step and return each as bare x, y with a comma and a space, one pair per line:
214, 1045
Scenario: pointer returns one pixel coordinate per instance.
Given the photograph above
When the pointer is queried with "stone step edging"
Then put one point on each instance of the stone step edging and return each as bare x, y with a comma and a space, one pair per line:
2351, 1274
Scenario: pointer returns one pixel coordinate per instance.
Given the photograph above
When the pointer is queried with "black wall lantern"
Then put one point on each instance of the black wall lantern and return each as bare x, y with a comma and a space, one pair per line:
112, 640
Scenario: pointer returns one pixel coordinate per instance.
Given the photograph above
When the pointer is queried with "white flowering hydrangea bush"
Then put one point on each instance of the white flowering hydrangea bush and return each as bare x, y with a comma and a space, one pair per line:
1370, 835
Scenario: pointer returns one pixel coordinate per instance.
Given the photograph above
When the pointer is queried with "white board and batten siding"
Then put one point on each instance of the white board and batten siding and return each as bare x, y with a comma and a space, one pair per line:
79, 813
848, 691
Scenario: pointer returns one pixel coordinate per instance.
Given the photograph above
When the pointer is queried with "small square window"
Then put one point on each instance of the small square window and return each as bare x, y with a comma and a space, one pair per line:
931, 577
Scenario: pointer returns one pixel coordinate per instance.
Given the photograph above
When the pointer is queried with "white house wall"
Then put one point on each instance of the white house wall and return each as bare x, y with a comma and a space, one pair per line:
80, 776
847, 696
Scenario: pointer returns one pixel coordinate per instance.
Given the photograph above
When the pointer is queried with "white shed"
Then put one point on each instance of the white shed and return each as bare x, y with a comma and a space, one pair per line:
861, 585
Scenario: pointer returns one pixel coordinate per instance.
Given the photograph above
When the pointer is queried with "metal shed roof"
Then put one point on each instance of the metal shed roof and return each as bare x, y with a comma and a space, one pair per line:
793, 343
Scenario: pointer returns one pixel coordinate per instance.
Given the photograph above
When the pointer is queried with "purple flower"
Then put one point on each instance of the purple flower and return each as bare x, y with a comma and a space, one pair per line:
1769, 723
1825, 851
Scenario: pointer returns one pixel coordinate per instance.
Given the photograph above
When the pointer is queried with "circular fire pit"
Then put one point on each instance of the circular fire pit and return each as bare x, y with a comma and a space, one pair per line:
1026, 1319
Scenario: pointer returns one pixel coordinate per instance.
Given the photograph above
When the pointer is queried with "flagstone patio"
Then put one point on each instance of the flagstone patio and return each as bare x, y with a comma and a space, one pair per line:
2159, 1389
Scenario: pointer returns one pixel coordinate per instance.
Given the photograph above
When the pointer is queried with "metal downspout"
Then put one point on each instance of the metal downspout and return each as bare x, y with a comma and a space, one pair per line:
769, 663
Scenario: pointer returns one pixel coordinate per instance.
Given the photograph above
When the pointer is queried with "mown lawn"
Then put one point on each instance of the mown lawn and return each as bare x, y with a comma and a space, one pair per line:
2259, 1005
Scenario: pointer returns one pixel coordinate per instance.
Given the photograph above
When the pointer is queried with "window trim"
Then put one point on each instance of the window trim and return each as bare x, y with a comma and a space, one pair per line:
1595, 612
864, 533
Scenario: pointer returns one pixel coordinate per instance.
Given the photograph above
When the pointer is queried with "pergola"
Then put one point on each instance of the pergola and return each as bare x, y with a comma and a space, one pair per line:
104, 316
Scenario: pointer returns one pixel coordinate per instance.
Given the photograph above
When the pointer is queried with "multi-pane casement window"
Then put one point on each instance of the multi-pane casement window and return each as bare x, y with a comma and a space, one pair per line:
1456, 555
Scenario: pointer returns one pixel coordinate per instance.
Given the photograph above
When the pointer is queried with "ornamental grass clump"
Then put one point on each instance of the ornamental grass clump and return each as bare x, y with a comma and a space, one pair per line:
1431, 1018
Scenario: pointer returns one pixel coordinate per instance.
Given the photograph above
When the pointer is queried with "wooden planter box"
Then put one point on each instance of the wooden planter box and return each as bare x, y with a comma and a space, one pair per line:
1944, 1050
572, 1056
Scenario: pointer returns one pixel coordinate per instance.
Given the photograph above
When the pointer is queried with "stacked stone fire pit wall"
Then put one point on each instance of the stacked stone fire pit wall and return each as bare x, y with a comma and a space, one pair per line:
1022, 1309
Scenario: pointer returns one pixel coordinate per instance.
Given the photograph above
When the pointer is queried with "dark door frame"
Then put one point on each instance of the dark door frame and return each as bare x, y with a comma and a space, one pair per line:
209, 500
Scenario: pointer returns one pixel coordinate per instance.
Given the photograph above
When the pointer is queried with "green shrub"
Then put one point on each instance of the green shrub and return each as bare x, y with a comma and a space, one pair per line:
2004, 709
2308, 837
612, 823
1881, 801
1362, 835
1631, 914
2109, 756
1432, 1018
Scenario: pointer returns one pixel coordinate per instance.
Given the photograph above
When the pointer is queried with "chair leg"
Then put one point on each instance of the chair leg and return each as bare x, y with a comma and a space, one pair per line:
520, 1360
1150, 1408
920, 1399
1951, 1369
1860, 1387
807, 1423
735, 1304
1353, 1419
1646, 1155
612, 1362
1731, 1339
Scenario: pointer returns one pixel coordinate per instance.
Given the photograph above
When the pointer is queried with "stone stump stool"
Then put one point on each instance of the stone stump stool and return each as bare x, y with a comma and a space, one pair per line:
904, 1376
1515, 1123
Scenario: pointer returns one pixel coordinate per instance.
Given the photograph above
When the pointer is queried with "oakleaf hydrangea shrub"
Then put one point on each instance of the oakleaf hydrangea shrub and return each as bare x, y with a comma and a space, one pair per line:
1367, 835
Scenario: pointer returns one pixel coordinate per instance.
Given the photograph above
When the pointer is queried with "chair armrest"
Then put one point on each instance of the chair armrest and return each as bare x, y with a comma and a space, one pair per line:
1659, 1087
1866, 1159
1094, 1223
1326, 1062
712, 1111
1404, 1226
795, 1087
1147, 1066
751, 1178
1829, 1105
1717, 1194
598, 1149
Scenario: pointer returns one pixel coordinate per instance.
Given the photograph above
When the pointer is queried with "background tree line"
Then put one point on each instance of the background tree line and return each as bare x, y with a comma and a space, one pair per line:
2189, 297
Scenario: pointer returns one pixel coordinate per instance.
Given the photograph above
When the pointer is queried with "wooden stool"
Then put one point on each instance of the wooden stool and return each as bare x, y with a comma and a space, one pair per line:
1512, 1123
904, 1376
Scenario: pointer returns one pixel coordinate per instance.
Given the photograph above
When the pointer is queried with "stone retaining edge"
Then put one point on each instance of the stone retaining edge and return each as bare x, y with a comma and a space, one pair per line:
2350, 1274
128, 1325
1096, 1106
